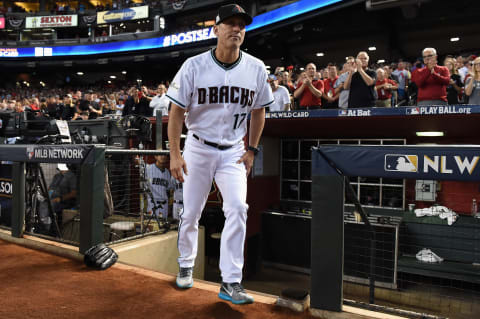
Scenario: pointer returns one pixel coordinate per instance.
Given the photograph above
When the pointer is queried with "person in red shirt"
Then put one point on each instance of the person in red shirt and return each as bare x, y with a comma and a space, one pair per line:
35, 106
309, 89
330, 96
431, 80
384, 88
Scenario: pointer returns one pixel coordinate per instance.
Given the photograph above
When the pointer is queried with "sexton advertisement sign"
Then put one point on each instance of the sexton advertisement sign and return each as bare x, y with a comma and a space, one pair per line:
52, 21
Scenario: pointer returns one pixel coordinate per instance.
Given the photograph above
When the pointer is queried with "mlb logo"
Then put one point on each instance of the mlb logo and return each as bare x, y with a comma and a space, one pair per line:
413, 111
30, 152
401, 163
342, 112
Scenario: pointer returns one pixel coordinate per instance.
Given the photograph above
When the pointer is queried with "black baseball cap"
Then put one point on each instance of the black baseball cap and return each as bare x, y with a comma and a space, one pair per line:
231, 10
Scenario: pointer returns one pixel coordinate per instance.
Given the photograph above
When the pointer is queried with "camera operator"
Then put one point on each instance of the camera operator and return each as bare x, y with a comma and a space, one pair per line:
63, 189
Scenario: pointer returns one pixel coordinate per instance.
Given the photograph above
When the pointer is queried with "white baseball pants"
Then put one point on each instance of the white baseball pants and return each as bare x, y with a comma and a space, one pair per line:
204, 163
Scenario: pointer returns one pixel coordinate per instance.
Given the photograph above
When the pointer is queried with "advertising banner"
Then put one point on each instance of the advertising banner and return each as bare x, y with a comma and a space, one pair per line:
2, 23
458, 163
69, 154
188, 37
112, 16
6, 193
52, 21
8, 52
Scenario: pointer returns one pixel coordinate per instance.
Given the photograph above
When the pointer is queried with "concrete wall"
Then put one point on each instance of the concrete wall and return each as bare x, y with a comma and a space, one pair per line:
159, 253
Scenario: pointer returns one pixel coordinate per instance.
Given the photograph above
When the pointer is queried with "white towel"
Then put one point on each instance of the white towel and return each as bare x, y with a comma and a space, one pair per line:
427, 256
440, 211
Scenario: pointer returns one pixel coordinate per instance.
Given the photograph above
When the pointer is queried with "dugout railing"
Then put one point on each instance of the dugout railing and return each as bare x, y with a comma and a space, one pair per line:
92, 164
350, 237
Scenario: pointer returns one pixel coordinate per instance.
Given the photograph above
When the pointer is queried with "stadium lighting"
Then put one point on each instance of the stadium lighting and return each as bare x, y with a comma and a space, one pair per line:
381, 61
113, 77
109, 81
320, 54
79, 73
455, 39
430, 134
267, 66
372, 48
301, 69
124, 72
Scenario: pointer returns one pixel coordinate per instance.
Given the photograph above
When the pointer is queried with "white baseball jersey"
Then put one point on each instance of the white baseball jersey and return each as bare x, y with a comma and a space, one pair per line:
218, 99
159, 182
281, 97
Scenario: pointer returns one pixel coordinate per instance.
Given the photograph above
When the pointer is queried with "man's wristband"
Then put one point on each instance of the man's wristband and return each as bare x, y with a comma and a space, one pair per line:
253, 149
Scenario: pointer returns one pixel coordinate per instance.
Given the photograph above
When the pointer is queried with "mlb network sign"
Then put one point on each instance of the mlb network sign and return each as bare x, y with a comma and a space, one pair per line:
73, 154
435, 166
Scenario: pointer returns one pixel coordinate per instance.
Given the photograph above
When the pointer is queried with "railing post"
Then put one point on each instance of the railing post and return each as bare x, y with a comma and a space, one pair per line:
91, 200
326, 236
158, 130
18, 199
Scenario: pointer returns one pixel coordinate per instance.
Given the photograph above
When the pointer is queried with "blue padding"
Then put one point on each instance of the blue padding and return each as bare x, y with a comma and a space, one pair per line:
378, 111
458, 163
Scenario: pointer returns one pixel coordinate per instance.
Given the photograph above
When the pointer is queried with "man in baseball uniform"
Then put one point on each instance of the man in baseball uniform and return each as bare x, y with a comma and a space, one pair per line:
159, 180
219, 89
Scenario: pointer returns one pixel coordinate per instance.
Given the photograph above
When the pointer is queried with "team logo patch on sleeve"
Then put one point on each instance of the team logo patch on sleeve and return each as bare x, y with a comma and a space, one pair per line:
401, 163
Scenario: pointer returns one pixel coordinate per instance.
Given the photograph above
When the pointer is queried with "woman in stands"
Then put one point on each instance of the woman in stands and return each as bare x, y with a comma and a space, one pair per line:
456, 86
472, 86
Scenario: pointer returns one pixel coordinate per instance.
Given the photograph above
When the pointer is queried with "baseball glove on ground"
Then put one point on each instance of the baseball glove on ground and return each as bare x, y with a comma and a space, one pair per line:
100, 257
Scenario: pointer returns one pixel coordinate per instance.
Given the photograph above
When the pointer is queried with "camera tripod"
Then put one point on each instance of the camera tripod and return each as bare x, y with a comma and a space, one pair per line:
145, 187
36, 194
40, 215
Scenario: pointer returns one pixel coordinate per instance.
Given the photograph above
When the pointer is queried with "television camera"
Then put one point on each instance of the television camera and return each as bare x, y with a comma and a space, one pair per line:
27, 123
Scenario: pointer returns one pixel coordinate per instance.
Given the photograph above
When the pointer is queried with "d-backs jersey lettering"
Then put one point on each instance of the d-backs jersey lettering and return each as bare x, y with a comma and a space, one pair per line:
218, 99
160, 183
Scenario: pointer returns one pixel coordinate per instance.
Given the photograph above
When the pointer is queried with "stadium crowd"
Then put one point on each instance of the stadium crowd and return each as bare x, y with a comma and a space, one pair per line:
356, 83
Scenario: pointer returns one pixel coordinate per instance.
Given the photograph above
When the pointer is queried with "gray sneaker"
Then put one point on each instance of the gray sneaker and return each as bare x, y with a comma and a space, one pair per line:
184, 278
235, 293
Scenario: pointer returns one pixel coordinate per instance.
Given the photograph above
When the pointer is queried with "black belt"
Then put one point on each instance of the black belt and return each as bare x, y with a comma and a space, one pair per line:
220, 147
178, 202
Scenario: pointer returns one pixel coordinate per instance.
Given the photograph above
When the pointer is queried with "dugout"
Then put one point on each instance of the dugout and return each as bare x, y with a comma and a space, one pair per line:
280, 188
280, 194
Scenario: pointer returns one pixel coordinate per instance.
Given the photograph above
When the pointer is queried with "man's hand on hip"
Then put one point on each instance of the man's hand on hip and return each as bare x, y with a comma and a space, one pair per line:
247, 160
177, 167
